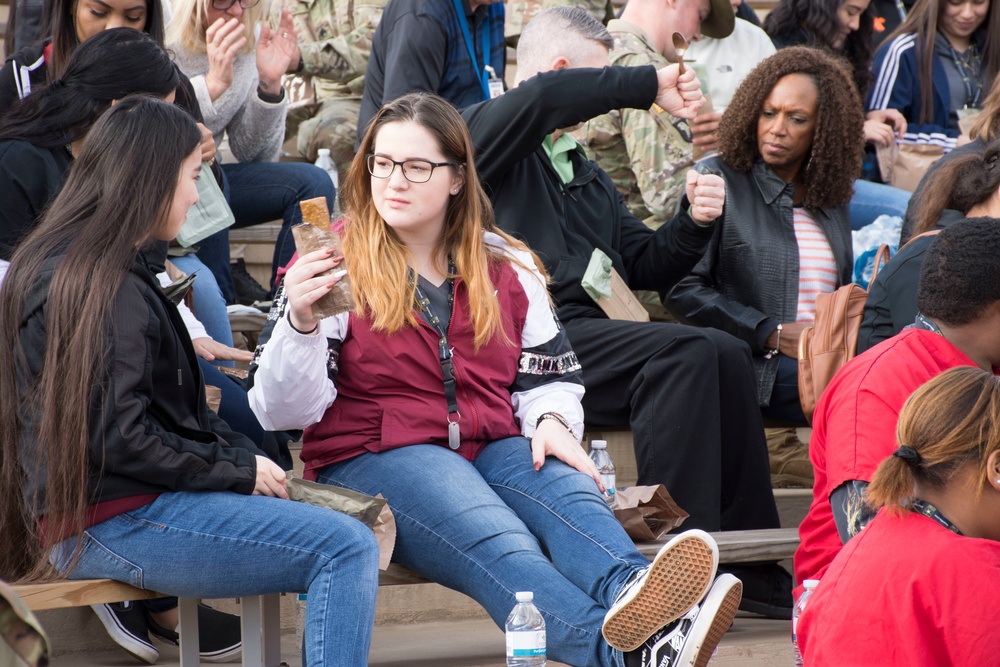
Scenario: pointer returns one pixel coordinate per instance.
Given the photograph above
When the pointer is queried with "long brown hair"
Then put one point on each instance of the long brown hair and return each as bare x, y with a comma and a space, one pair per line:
957, 183
117, 192
987, 126
922, 21
377, 259
951, 421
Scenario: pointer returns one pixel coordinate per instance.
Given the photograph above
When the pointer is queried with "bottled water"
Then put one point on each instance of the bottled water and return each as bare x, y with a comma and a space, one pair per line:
599, 455
810, 586
326, 163
525, 634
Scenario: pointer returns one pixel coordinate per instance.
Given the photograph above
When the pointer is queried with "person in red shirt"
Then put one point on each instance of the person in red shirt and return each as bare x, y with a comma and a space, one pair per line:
908, 590
853, 430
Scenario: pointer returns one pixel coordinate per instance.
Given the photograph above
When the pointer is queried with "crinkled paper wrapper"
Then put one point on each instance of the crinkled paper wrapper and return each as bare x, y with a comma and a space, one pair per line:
647, 512
341, 298
373, 512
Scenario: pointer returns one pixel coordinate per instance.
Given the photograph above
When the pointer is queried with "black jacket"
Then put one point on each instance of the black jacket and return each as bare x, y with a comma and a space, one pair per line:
748, 280
154, 432
565, 223
30, 177
892, 296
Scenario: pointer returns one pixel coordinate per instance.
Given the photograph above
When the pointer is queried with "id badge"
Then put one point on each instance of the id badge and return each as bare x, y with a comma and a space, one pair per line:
494, 85
496, 88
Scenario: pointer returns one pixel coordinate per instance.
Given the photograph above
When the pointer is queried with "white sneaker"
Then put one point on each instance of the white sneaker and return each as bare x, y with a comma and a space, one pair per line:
692, 640
674, 582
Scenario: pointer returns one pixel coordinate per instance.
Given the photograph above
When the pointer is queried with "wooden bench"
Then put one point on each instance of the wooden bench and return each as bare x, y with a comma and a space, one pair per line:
260, 615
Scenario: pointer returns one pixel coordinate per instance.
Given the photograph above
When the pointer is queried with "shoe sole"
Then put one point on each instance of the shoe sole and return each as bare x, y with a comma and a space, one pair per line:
677, 579
224, 655
714, 620
133, 645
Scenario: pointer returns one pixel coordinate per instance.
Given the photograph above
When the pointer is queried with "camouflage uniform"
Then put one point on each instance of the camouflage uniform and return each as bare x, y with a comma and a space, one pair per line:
519, 12
23, 643
646, 153
335, 38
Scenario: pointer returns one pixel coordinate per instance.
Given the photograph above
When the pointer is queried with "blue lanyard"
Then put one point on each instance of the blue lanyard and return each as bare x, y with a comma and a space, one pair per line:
484, 78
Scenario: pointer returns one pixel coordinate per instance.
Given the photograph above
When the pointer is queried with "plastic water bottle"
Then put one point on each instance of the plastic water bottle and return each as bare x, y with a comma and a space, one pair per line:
599, 455
525, 634
810, 586
326, 163
300, 618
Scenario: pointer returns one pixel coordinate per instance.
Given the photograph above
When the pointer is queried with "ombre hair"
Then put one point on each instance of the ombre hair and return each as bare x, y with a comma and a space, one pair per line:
376, 257
186, 32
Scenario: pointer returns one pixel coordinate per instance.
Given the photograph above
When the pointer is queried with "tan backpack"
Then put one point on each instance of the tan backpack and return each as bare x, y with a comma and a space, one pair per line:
832, 340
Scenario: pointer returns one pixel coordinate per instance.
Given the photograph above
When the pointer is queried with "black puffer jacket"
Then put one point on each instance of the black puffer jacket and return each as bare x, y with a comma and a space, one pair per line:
154, 433
748, 280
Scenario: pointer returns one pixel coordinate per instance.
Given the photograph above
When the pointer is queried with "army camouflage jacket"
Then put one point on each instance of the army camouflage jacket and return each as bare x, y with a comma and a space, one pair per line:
335, 38
646, 152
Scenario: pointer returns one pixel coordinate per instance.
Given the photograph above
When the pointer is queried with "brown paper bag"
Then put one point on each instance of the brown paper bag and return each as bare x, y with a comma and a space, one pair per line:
903, 165
373, 512
647, 512
213, 396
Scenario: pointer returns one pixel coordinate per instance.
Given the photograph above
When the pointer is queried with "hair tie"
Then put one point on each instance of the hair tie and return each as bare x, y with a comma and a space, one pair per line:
908, 454
58, 83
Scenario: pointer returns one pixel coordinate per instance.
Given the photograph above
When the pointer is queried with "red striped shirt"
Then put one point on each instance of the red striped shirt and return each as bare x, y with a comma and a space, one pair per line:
817, 266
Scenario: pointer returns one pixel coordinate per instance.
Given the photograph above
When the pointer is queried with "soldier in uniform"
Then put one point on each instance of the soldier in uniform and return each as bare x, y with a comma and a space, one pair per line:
335, 38
648, 152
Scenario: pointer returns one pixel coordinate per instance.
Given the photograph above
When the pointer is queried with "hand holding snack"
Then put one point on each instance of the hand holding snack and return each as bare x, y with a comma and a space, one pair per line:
317, 285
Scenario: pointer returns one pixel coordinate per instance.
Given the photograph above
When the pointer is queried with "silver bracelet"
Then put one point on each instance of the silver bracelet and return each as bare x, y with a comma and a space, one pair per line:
557, 417
777, 345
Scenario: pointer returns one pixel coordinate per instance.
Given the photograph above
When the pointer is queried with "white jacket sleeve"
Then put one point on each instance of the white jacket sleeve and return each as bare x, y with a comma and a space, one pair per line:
293, 374
194, 327
549, 377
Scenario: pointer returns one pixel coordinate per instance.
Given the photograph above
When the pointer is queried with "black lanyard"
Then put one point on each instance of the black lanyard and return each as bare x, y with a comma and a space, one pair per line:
931, 512
973, 55
444, 350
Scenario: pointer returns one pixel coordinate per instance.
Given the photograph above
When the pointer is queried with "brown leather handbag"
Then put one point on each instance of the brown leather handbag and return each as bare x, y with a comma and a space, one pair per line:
832, 340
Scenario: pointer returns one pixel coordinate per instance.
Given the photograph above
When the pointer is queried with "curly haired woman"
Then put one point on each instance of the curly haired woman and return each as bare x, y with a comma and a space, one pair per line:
790, 148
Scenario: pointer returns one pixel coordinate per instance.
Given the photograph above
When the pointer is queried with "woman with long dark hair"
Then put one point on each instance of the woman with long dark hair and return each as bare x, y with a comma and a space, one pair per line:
938, 65
452, 390
908, 589
113, 465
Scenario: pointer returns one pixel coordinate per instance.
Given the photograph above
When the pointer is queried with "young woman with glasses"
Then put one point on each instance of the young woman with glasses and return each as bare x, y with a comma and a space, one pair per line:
236, 61
452, 390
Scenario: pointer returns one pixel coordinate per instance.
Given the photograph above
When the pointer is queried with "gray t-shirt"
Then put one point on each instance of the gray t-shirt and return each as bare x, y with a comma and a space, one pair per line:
958, 90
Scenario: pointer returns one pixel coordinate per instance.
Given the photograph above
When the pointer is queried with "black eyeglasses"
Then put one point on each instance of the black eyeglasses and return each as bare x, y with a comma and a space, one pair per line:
415, 171
223, 5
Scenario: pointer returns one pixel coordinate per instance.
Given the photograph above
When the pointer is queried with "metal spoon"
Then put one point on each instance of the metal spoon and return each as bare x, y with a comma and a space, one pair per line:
680, 46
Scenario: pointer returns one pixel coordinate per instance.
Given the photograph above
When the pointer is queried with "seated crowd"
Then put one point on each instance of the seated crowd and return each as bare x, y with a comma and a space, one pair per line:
475, 222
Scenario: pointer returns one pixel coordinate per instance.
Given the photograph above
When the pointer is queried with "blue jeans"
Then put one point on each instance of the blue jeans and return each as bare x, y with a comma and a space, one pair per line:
785, 403
260, 192
871, 200
218, 544
209, 304
494, 526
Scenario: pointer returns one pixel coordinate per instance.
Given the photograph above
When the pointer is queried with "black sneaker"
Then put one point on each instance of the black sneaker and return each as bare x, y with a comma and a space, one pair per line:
126, 624
218, 634
767, 589
691, 640
248, 290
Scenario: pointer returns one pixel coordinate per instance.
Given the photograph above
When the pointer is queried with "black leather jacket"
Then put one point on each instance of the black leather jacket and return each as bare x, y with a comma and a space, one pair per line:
748, 280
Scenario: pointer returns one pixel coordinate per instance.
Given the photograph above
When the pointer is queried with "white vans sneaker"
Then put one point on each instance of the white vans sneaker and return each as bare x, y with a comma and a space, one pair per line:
674, 582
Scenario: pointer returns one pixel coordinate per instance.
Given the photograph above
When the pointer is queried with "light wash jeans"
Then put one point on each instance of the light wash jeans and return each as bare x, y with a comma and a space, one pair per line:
209, 304
218, 544
494, 526
261, 192
871, 200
